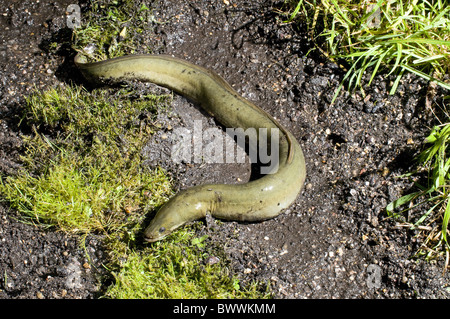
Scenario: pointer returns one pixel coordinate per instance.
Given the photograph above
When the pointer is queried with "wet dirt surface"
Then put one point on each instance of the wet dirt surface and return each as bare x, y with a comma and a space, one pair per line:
333, 242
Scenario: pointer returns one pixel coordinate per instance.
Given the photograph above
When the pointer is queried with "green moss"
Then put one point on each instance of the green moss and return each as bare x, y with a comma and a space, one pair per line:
178, 268
82, 167
113, 28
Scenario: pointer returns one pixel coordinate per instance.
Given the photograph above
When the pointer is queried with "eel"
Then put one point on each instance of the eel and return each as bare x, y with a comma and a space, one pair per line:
256, 200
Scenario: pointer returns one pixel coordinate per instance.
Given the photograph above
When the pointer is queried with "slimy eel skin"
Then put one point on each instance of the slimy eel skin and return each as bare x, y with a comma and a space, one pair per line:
256, 200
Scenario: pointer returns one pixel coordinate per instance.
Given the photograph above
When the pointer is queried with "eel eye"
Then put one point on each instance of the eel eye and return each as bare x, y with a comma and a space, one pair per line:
162, 229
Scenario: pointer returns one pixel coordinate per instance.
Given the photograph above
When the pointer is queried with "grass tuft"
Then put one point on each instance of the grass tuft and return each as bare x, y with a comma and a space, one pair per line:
391, 36
434, 195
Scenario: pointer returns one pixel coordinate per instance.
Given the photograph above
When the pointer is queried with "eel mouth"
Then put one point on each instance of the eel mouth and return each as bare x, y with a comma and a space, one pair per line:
152, 238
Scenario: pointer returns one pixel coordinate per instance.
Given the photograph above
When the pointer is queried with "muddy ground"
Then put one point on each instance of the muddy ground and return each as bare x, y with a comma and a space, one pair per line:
334, 242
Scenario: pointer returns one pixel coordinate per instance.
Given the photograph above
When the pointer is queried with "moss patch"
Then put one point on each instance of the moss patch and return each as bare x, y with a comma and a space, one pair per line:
179, 267
114, 28
82, 166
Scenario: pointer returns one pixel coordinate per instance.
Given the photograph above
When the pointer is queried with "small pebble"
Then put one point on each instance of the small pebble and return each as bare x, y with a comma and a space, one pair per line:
212, 260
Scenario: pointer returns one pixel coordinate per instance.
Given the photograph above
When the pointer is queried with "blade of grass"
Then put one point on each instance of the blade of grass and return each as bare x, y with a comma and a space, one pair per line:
445, 220
426, 76
295, 12
425, 216
396, 82
377, 65
402, 201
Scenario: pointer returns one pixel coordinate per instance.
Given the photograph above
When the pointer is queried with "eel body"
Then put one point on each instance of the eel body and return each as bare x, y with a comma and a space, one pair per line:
256, 200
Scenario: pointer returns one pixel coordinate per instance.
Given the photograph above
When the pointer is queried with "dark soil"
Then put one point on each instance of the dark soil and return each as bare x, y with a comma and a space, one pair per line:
334, 242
